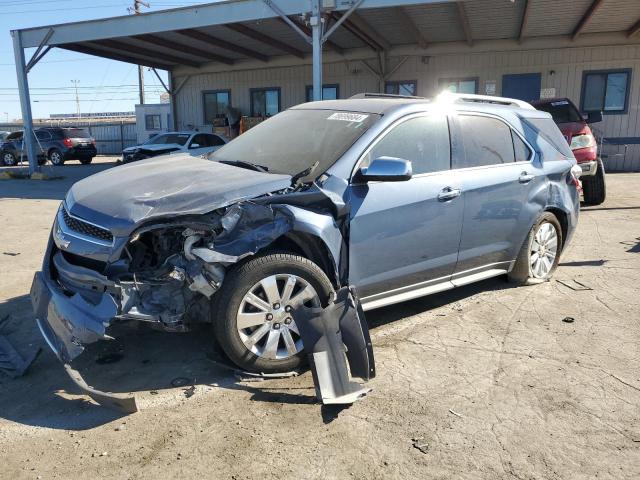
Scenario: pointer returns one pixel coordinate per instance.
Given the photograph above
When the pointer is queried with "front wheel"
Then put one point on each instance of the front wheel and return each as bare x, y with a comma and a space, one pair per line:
56, 157
86, 160
594, 187
540, 253
253, 320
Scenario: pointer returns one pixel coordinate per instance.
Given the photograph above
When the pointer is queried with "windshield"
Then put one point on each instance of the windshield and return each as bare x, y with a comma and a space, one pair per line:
179, 138
562, 111
294, 140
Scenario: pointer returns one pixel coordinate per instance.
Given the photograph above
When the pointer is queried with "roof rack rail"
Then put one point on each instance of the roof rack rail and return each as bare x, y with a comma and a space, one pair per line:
384, 95
469, 98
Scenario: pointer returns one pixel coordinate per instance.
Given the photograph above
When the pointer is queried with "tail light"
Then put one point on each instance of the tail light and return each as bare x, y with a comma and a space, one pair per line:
67, 142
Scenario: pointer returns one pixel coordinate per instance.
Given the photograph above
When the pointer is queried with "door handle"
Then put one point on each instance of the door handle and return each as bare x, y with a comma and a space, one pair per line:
525, 177
449, 193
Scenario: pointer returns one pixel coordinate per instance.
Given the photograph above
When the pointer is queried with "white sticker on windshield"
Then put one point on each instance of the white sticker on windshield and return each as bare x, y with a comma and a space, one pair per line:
561, 102
348, 117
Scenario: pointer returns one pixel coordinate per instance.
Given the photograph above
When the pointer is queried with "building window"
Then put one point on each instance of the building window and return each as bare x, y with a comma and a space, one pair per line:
152, 122
606, 91
265, 102
329, 92
401, 88
459, 85
215, 104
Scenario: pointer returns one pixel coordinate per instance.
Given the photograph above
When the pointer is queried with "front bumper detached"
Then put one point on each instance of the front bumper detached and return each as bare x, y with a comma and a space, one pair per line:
67, 323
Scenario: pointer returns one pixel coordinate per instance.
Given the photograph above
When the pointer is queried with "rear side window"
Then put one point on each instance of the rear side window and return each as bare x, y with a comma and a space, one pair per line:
215, 141
523, 153
547, 128
486, 140
422, 140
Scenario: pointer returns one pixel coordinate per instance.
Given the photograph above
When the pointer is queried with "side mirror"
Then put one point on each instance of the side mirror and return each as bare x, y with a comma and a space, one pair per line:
195, 145
594, 117
386, 169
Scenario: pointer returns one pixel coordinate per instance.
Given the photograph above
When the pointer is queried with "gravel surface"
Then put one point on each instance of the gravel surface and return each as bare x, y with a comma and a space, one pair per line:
486, 381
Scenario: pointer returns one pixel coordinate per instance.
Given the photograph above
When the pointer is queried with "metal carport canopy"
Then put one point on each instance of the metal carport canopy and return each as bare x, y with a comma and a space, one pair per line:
150, 39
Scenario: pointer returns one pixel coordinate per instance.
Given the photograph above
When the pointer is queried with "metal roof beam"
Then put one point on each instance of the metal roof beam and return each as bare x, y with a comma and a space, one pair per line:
90, 49
217, 42
593, 8
353, 30
464, 21
634, 30
177, 47
307, 31
134, 49
261, 37
407, 21
524, 21
198, 16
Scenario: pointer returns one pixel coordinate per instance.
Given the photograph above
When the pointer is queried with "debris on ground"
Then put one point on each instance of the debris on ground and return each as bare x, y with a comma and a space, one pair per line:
420, 444
11, 254
190, 392
11, 362
568, 319
455, 413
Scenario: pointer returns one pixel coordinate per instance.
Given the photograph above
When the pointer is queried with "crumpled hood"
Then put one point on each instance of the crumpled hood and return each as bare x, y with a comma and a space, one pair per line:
123, 197
152, 147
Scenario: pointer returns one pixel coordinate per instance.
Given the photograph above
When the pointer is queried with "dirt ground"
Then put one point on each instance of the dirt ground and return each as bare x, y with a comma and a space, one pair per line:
487, 380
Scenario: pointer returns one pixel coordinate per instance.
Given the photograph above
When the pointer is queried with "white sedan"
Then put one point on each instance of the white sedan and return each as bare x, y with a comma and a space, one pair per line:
193, 143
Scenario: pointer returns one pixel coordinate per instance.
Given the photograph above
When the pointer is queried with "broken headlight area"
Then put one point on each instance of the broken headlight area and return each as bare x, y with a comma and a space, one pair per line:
169, 271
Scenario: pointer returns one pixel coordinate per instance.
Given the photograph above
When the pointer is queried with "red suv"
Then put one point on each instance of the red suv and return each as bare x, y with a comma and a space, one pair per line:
575, 128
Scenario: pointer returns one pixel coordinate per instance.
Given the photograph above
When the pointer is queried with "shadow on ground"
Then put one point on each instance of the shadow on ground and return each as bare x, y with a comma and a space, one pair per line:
144, 361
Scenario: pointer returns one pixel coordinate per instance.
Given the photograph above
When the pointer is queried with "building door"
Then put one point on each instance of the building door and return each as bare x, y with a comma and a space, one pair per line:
523, 86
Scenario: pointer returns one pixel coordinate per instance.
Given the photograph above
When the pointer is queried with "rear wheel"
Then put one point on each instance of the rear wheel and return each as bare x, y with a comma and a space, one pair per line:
86, 160
254, 324
8, 159
594, 187
540, 253
56, 157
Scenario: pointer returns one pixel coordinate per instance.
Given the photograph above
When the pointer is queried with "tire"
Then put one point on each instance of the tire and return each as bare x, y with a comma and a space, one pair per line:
86, 160
594, 187
9, 159
56, 157
525, 270
231, 301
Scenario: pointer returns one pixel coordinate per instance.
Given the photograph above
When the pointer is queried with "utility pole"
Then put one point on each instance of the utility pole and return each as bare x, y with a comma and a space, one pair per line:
136, 11
75, 83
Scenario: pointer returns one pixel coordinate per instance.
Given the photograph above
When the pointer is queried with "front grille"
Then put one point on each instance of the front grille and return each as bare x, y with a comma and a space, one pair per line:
86, 228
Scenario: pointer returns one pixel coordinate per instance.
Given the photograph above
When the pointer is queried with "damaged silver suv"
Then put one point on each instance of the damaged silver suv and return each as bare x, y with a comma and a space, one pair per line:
399, 197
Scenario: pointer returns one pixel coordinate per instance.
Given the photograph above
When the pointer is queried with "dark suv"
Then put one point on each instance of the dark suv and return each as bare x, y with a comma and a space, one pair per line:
66, 143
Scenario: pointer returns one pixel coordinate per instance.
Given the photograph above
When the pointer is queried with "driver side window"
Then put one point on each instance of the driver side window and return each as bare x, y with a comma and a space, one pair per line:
424, 141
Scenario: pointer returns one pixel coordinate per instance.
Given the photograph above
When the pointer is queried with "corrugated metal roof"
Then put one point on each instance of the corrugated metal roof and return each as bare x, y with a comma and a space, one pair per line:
553, 17
374, 28
494, 19
613, 16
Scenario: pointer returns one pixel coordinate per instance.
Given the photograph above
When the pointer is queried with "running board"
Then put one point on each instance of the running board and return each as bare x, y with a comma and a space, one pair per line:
371, 303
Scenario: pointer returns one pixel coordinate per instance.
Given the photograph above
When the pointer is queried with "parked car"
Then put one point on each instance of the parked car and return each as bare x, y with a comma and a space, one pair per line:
13, 150
398, 197
575, 128
66, 143
193, 143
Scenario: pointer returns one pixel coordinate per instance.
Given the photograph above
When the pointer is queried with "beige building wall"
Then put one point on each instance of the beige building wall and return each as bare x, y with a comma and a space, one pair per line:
561, 71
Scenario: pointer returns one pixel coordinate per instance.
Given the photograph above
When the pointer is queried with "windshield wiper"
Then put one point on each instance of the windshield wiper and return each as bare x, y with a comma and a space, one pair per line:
304, 173
243, 164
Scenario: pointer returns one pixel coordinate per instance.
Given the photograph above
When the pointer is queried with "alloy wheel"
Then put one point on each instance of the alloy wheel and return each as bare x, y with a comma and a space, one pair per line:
543, 251
265, 322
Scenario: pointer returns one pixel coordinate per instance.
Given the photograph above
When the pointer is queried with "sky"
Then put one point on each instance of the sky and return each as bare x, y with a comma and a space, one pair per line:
104, 85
